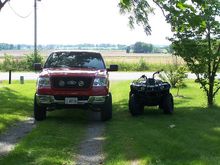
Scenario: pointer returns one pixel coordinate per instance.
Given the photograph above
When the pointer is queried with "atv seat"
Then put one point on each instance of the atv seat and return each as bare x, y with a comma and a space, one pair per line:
150, 81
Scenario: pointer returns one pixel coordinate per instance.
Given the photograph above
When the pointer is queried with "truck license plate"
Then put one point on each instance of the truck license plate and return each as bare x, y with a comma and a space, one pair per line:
71, 100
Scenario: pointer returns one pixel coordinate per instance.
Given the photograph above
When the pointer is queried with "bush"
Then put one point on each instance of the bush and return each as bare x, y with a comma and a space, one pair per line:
175, 76
142, 65
25, 64
30, 60
8, 63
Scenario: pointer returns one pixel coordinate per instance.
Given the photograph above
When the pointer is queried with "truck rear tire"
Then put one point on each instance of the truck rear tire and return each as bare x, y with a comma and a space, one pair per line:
106, 110
135, 107
39, 111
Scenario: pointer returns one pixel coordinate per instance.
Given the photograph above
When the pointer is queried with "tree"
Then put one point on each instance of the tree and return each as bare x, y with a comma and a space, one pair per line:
128, 49
196, 37
2, 3
141, 47
138, 11
196, 40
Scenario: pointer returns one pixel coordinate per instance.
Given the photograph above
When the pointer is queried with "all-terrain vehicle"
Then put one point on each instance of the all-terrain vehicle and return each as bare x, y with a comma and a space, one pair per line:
150, 92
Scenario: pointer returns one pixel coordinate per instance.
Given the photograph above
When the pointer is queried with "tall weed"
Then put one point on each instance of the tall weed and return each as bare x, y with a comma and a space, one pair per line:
24, 64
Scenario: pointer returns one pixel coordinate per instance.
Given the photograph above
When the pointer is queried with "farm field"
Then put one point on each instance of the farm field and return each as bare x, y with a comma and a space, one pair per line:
189, 136
111, 56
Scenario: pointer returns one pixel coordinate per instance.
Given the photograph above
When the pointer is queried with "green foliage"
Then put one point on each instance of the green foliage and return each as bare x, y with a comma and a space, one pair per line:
138, 13
9, 63
31, 59
196, 28
24, 64
141, 47
141, 65
128, 49
196, 40
175, 75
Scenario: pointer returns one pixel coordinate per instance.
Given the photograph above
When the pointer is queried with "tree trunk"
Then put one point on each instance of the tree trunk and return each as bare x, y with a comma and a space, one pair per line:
210, 100
177, 93
210, 95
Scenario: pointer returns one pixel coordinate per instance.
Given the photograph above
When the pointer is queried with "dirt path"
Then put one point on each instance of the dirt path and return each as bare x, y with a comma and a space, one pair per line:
90, 151
10, 138
91, 147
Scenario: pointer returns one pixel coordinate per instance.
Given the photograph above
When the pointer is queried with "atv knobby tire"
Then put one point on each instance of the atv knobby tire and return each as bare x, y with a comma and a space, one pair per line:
135, 107
167, 104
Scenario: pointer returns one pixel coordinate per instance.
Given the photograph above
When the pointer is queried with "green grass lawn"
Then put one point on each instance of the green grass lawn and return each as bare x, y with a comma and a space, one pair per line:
191, 136
53, 141
16, 103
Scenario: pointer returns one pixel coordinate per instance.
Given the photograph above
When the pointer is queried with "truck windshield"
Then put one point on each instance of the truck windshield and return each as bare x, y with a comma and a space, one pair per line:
75, 60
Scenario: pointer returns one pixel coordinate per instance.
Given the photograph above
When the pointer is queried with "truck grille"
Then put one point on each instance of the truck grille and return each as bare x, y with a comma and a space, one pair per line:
59, 97
71, 82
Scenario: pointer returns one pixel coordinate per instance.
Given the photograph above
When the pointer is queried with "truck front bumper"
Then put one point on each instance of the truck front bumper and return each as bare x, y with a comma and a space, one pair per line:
49, 99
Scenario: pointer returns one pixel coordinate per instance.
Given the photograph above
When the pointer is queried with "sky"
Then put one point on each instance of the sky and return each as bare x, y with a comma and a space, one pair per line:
75, 22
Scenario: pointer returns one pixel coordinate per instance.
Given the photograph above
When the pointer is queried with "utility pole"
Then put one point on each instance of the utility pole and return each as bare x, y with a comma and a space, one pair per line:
35, 30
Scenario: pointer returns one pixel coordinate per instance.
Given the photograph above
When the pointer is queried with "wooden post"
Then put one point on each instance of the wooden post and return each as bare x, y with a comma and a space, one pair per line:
9, 81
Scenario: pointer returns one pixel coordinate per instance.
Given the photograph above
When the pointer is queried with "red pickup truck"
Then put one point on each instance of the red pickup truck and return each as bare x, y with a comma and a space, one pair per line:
73, 79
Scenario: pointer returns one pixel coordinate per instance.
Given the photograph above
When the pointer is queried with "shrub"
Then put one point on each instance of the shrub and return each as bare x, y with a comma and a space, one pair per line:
24, 64
8, 63
142, 65
30, 60
175, 76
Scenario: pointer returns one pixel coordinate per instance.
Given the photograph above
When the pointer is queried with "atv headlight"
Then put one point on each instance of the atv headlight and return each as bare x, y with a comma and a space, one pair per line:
43, 82
100, 81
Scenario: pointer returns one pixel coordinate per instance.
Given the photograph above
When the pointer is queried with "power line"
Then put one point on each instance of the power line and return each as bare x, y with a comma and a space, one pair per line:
16, 13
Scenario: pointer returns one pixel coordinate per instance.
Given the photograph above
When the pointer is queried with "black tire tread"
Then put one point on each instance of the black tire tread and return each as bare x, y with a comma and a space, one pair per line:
39, 111
106, 112
135, 106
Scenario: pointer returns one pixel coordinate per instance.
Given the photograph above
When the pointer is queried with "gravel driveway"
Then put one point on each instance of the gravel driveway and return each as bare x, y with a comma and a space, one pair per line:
10, 138
90, 150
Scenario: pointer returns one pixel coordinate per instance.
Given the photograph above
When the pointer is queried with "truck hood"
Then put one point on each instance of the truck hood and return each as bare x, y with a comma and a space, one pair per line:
70, 72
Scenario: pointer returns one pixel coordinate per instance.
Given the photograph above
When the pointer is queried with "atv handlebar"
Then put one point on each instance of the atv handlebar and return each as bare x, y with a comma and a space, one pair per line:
157, 72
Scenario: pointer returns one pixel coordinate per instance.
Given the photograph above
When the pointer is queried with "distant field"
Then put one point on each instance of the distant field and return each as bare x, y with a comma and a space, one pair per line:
110, 56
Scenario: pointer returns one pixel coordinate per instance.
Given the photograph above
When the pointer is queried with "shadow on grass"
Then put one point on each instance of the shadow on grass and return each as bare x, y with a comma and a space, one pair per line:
189, 136
53, 141
13, 107
13, 102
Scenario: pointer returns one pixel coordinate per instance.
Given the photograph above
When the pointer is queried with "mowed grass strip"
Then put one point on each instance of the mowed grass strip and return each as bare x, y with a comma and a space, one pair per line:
191, 136
53, 141
16, 102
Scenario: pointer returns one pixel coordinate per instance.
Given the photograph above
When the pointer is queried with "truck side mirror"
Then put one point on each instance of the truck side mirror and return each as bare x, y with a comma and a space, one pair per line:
37, 66
113, 68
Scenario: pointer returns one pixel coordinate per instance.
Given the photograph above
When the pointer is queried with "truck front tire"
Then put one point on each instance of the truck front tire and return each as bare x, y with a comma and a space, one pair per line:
39, 111
106, 110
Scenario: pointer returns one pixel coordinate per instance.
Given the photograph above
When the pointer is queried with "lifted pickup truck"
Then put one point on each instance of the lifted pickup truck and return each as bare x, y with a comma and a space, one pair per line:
73, 79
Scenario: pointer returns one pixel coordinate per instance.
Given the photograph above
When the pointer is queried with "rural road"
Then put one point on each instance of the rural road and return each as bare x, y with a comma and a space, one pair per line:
112, 75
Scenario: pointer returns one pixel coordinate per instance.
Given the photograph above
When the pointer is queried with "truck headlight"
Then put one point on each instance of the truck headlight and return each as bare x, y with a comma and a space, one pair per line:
100, 81
43, 82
